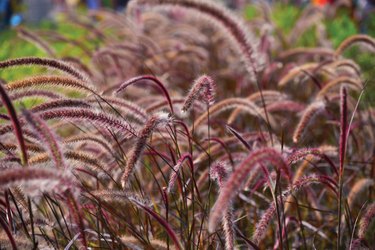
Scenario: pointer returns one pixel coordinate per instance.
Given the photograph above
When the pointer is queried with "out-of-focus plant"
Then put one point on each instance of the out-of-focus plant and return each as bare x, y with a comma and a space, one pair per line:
178, 125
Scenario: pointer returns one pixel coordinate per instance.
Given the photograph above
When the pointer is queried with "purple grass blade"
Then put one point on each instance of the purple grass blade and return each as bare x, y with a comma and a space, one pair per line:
150, 78
162, 222
15, 122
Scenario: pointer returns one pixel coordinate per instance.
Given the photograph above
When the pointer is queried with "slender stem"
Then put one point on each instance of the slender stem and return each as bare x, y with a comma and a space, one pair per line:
342, 145
300, 223
339, 212
9, 234
277, 210
209, 155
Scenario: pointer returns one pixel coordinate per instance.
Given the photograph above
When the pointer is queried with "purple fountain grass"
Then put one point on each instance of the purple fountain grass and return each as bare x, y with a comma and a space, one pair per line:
126, 108
134, 243
343, 127
45, 94
290, 106
366, 220
299, 154
176, 169
77, 156
262, 225
159, 105
46, 62
10, 238
83, 114
77, 215
54, 81
236, 32
302, 153
359, 187
343, 64
230, 103
295, 71
61, 103
9, 147
76, 62
47, 137
326, 52
92, 138
171, 233
116, 56
268, 95
359, 244
242, 40
30, 147
96, 117
153, 123
288, 221
9, 128
40, 177
219, 141
56, 37
121, 196
4, 117
219, 172
308, 116
237, 178
309, 17
15, 123
360, 38
337, 64
231, 142
36, 40
353, 195
239, 137
269, 72
342, 152
153, 79
203, 87
350, 82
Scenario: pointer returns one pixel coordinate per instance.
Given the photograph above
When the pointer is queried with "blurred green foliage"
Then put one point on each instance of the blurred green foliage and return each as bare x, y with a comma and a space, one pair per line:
12, 46
250, 12
285, 16
339, 28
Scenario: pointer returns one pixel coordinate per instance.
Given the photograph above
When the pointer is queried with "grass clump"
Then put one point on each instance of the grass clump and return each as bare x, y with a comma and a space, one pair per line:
188, 128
